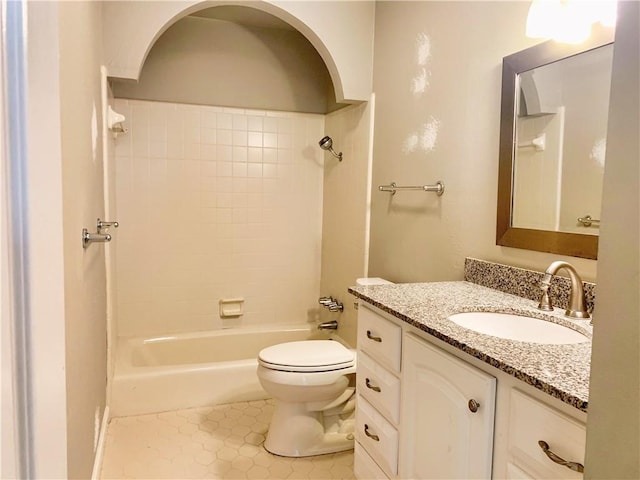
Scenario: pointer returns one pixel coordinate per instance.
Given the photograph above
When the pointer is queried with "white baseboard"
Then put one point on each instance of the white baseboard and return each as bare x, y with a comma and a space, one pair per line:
97, 462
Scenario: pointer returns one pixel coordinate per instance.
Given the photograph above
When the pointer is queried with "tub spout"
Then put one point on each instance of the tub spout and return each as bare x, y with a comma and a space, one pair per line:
332, 325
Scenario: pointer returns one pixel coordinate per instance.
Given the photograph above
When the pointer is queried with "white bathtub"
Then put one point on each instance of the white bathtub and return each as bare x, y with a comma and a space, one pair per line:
192, 370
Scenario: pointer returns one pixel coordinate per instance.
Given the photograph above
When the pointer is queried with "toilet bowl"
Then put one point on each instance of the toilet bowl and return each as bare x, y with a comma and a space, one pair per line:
314, 405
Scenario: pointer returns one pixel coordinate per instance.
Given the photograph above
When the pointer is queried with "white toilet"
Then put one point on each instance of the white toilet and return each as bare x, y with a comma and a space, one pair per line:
314, 411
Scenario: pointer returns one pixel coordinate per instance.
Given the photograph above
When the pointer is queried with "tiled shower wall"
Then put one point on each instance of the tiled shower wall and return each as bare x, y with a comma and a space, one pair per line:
345, 230
216, 203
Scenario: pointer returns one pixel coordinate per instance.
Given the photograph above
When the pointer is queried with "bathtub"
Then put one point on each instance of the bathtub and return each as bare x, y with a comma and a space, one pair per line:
192, 370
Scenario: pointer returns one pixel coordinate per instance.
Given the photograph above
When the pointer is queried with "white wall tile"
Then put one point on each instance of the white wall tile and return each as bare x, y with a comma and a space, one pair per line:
209, 119
270, 155
270, 124
224, 137
239, 154
270, 140
254, 154
239, 138
254, 170
254, 123
240, 122
212, 207
225, 169
254, 139
225, 120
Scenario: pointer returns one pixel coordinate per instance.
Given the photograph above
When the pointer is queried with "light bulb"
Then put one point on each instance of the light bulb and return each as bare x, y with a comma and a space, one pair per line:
568, 21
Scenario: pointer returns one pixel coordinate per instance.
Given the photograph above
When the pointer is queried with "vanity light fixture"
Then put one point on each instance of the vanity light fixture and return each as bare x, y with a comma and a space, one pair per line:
568, 21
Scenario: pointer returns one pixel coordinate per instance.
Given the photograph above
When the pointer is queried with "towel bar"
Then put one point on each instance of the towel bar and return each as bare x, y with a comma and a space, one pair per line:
392, 188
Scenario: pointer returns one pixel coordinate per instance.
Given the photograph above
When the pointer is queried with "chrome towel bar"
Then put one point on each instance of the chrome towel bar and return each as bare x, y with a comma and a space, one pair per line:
587, 221
392, 187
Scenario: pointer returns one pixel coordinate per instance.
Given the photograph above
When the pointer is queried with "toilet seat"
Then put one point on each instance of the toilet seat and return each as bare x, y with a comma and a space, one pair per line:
307, 356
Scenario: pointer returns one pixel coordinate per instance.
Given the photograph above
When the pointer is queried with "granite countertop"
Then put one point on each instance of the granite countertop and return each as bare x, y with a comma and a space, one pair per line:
562, 371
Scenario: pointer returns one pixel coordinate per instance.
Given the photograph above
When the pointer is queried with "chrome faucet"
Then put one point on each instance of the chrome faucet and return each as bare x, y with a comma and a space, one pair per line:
331, 303
332, 325
576, 297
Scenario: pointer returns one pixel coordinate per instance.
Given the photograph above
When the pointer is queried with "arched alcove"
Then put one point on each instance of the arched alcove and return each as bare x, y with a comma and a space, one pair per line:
233, 56
341, 32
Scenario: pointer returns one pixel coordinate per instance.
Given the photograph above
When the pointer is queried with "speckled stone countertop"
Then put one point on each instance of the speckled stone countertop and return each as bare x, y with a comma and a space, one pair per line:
562, 371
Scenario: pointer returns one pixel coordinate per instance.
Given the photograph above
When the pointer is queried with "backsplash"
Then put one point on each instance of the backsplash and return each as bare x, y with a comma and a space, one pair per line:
522, 282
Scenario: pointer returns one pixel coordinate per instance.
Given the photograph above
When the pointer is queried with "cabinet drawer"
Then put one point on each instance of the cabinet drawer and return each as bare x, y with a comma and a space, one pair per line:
377, 436
531, 421
364, 467
380, 338
379, 386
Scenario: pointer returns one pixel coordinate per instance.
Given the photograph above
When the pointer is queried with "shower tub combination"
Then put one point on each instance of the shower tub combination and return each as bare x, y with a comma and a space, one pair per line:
193, 369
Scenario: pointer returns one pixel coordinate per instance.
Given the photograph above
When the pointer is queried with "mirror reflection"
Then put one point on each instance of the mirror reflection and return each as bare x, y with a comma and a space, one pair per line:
553, 124
560, 143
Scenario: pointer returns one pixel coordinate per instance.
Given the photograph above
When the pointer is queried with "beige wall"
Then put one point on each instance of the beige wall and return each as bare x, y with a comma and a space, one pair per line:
437, 70
111, 249
345, 212
45, 244
205, 61
613, 433
216, 203
131, 27
82, 179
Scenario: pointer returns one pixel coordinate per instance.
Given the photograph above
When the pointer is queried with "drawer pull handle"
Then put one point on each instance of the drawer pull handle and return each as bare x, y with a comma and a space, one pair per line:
370, 336
370, 435
575, 466
473, 405
367, 382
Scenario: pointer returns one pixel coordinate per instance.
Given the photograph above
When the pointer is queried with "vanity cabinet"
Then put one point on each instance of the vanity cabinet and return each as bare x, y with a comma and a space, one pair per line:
442, 427
415, 415
447, 415
378, 399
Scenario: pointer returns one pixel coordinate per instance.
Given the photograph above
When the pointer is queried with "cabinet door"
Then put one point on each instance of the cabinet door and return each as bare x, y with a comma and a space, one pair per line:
440, 435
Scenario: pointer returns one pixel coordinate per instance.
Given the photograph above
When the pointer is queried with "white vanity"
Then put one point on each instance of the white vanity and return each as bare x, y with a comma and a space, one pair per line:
436, 400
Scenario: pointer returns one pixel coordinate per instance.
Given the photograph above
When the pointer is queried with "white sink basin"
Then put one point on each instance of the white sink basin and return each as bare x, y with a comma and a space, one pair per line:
518, 327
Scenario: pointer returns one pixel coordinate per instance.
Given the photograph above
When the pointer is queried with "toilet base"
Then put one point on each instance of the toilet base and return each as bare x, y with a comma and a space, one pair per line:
297, 432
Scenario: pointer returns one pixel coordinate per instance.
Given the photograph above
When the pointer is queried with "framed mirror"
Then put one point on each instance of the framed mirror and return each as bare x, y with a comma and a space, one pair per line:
555, 100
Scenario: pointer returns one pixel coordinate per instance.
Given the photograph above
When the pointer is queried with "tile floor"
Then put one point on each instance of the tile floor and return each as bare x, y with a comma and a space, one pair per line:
222, 442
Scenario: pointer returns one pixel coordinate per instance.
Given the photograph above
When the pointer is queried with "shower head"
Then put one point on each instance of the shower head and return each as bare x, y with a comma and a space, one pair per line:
326, 143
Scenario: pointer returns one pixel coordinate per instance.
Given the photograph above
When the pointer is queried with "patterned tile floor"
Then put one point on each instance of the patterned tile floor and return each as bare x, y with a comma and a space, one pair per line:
222, 442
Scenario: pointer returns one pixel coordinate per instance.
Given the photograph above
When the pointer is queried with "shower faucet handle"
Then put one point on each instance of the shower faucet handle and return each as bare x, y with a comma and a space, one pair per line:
101, 224
335, 307
331, 303
325, 301
89, 238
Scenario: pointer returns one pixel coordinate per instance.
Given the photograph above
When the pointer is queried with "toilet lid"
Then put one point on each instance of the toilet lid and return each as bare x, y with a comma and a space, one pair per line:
307, 356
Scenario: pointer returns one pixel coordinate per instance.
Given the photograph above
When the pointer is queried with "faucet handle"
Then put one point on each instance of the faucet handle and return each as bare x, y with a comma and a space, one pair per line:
545, 301
335, 306
325, 300
101, 224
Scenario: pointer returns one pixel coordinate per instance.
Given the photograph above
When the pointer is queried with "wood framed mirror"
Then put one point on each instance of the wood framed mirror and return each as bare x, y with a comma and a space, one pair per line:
530, 94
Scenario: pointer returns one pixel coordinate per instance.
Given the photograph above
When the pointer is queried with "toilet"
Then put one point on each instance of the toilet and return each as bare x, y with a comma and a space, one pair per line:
315, 405
314, 410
